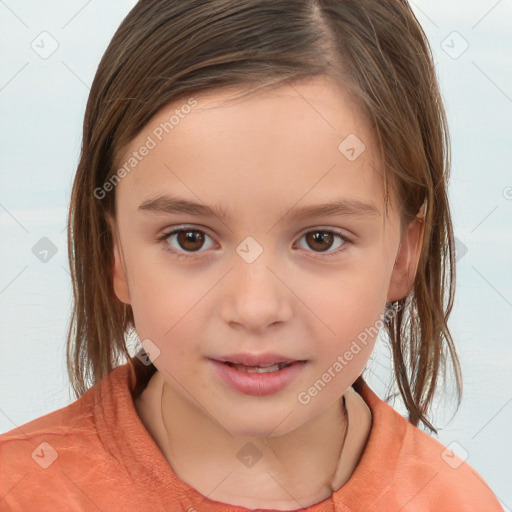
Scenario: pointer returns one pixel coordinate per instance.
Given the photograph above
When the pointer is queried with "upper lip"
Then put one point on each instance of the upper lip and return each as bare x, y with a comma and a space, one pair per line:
256, 359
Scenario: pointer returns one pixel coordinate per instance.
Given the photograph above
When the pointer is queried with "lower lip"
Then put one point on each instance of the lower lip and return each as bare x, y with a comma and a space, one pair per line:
257, 384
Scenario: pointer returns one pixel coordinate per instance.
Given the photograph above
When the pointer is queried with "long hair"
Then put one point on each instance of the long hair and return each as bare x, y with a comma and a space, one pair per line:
168, 50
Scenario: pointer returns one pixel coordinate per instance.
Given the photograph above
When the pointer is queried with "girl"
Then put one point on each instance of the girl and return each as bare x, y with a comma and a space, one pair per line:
261, 190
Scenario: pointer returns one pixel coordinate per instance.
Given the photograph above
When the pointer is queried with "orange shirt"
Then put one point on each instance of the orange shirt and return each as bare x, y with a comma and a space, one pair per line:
96, 455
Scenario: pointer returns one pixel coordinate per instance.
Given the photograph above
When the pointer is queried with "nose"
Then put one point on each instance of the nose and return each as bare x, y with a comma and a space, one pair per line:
255, 296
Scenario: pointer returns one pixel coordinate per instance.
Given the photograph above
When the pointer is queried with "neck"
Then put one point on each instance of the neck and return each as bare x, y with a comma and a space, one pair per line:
286, 472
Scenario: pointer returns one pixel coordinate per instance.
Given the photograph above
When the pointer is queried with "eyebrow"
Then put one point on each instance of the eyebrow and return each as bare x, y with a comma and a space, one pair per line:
344, 207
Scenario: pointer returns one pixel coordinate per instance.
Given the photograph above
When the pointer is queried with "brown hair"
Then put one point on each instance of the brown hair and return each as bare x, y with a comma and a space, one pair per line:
168, 50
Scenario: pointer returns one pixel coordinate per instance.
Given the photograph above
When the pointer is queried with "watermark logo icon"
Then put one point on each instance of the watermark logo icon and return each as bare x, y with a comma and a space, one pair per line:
45, 45
249, 250
151, 142
150, 352
45, 455
461, 249
249, 455
454, 460
351, 147
454, 45
44, 250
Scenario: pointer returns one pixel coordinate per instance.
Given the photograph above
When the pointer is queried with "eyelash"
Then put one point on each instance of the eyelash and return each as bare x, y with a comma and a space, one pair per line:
165, 236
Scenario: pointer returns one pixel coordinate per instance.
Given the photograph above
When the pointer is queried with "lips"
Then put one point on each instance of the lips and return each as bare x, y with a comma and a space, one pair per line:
257, 374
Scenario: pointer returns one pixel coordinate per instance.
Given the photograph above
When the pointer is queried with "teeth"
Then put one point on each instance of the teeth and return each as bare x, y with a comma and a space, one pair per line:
257, 369
272, 367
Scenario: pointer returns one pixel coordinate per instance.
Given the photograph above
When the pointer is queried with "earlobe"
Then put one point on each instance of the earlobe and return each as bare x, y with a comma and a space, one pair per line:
407, 259
119, 280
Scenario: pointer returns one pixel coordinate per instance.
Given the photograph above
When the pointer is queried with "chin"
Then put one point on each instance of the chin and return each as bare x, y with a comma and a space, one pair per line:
260, 421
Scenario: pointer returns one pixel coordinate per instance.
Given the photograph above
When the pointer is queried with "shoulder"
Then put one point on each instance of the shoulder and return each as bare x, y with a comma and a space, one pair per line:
65, 424
415, 471
59, 449
439, 476
76, 419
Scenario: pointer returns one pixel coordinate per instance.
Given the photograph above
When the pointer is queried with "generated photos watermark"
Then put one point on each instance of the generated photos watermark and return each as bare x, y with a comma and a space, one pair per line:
157, 135
305, 397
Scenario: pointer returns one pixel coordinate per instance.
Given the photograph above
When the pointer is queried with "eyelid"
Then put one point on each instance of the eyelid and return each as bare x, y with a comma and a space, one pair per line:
184, 227
330, 229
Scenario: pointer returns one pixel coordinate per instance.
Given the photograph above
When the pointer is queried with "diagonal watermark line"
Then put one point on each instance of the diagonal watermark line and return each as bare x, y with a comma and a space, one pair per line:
285, 490
492, 211
12, 488
374, 374
503, 297
275, 428
293, 206
165, 165
486, 14
15, 424
503, 407
75, 74
222, 481
424, 14
266, 438
492, 81
205, 294
13, 13
14, 76
333, 128
405, 504
88, 497
13, 279
76, 14
503, 502
485, 483
376, 361
201, 406
301, 301
14, 218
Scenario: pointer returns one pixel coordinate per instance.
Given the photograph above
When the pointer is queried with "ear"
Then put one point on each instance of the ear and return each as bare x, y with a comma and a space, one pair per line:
407, 259
120, 282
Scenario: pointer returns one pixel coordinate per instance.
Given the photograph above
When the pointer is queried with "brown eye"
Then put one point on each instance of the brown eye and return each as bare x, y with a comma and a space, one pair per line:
186, 242
320, 240
190, 240
324, 241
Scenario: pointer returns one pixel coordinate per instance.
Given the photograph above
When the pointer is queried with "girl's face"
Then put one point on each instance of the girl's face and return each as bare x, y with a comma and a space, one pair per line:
283, 253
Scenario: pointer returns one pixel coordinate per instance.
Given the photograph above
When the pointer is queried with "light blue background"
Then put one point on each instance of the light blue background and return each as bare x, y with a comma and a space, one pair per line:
42, 102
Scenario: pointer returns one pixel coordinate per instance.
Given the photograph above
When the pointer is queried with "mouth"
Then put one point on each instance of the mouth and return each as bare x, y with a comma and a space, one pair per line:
263, 360
257, 375
263, 368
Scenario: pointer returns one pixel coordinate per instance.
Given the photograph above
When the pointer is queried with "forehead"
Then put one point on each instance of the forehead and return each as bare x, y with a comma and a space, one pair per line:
292, 141
316, 105
319, 103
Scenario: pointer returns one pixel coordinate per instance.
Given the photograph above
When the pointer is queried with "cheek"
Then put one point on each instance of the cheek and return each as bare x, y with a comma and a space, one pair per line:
164, 298
351, 306
349, 296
